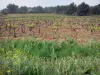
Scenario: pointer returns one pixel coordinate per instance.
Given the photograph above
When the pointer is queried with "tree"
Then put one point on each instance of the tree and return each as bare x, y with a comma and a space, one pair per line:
72, 8
40, 9
95, 10
23, 9
57, 10
98, 9
12, 8
37, 9
63, 9
4, 11
60, 9
49, 9
83, 9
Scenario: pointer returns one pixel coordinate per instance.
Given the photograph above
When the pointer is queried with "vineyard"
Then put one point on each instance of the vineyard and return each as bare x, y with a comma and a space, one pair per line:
49, 44
44, 26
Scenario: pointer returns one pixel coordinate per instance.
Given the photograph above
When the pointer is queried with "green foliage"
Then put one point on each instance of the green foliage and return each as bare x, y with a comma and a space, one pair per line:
35, 57
23, 9
47, 49
83, 9
31, 25
12, 8
95, 9
71, 9
4, 11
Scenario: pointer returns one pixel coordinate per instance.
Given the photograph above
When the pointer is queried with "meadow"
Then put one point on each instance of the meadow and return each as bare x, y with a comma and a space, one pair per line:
49, 44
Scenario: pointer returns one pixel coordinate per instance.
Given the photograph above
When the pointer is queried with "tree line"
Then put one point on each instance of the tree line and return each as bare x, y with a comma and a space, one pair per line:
82, 9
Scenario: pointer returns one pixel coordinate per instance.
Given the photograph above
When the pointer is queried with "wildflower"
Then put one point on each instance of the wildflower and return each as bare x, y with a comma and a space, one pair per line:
74, 37
8, 71
50, 38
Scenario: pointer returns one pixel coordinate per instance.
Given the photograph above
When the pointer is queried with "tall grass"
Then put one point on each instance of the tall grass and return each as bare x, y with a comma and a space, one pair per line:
35, 57
52, 49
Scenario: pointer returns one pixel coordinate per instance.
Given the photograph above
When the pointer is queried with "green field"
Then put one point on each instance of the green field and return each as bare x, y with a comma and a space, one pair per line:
34, 57
70, 48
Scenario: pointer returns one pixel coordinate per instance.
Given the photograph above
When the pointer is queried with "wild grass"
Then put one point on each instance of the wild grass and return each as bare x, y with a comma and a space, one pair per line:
51, 48
37, 57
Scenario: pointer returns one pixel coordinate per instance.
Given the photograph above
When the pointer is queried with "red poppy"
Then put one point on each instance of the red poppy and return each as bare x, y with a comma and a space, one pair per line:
50, 38
74, 36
